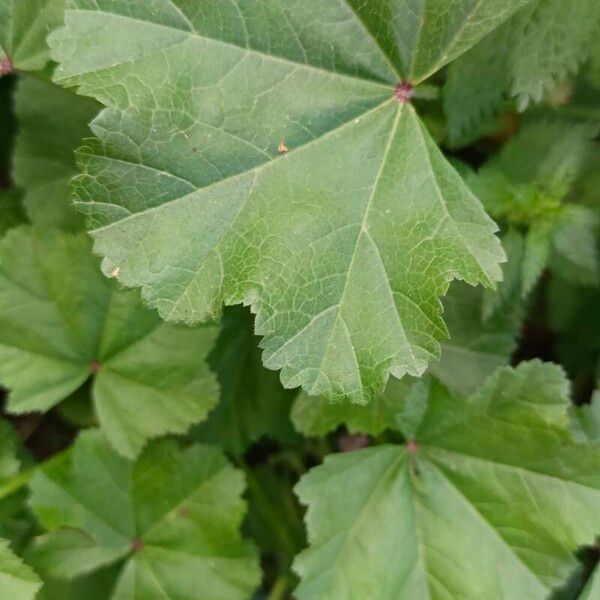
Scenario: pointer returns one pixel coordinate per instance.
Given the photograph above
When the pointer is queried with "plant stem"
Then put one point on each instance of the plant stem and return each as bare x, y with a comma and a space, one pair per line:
279, 589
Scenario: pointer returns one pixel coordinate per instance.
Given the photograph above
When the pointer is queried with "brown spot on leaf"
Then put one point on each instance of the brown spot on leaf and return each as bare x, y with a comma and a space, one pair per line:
282, 148
137, 545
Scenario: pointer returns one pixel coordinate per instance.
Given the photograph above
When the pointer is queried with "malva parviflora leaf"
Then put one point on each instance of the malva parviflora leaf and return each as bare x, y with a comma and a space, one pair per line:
62, 321
276, 162
171, 519
24, 26
490, 499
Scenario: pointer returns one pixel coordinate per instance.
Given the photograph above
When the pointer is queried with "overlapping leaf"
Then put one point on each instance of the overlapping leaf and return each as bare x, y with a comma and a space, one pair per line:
17, 580
52, 124
476, 348
171, 519
62, 322
489, 500
268, 162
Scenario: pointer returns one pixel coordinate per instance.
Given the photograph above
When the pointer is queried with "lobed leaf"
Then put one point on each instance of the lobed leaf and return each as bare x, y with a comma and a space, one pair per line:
62, 322
171, 519
24, 26
191, 198
490, 499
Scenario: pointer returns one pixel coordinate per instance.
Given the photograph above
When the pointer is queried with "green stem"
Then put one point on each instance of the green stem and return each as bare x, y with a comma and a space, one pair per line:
279, 589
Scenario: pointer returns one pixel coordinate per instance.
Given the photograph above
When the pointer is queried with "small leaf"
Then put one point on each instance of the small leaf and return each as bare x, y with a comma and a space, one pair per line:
173, 517
17, 580
472, 493
24, 26
62, 322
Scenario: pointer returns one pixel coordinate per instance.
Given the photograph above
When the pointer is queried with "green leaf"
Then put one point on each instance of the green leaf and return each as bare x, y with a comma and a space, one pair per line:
274, 516
592, 588
253, 403
96, 586
420, 38
11, 210
536, 254
476, 348
17, 580
538, 48
586, 419
16, 524
479, 343
574, 317
52, 123
526, 185
318, 416
24, 26
490, 500
62, 322
575, 246
190, 198
172, 518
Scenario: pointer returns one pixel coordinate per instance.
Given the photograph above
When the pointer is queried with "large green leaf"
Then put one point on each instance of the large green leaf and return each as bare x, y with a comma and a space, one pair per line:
62, 322
52, 123
252, 403
172, 518
24, 26
489, 500
255, 152
17, 580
